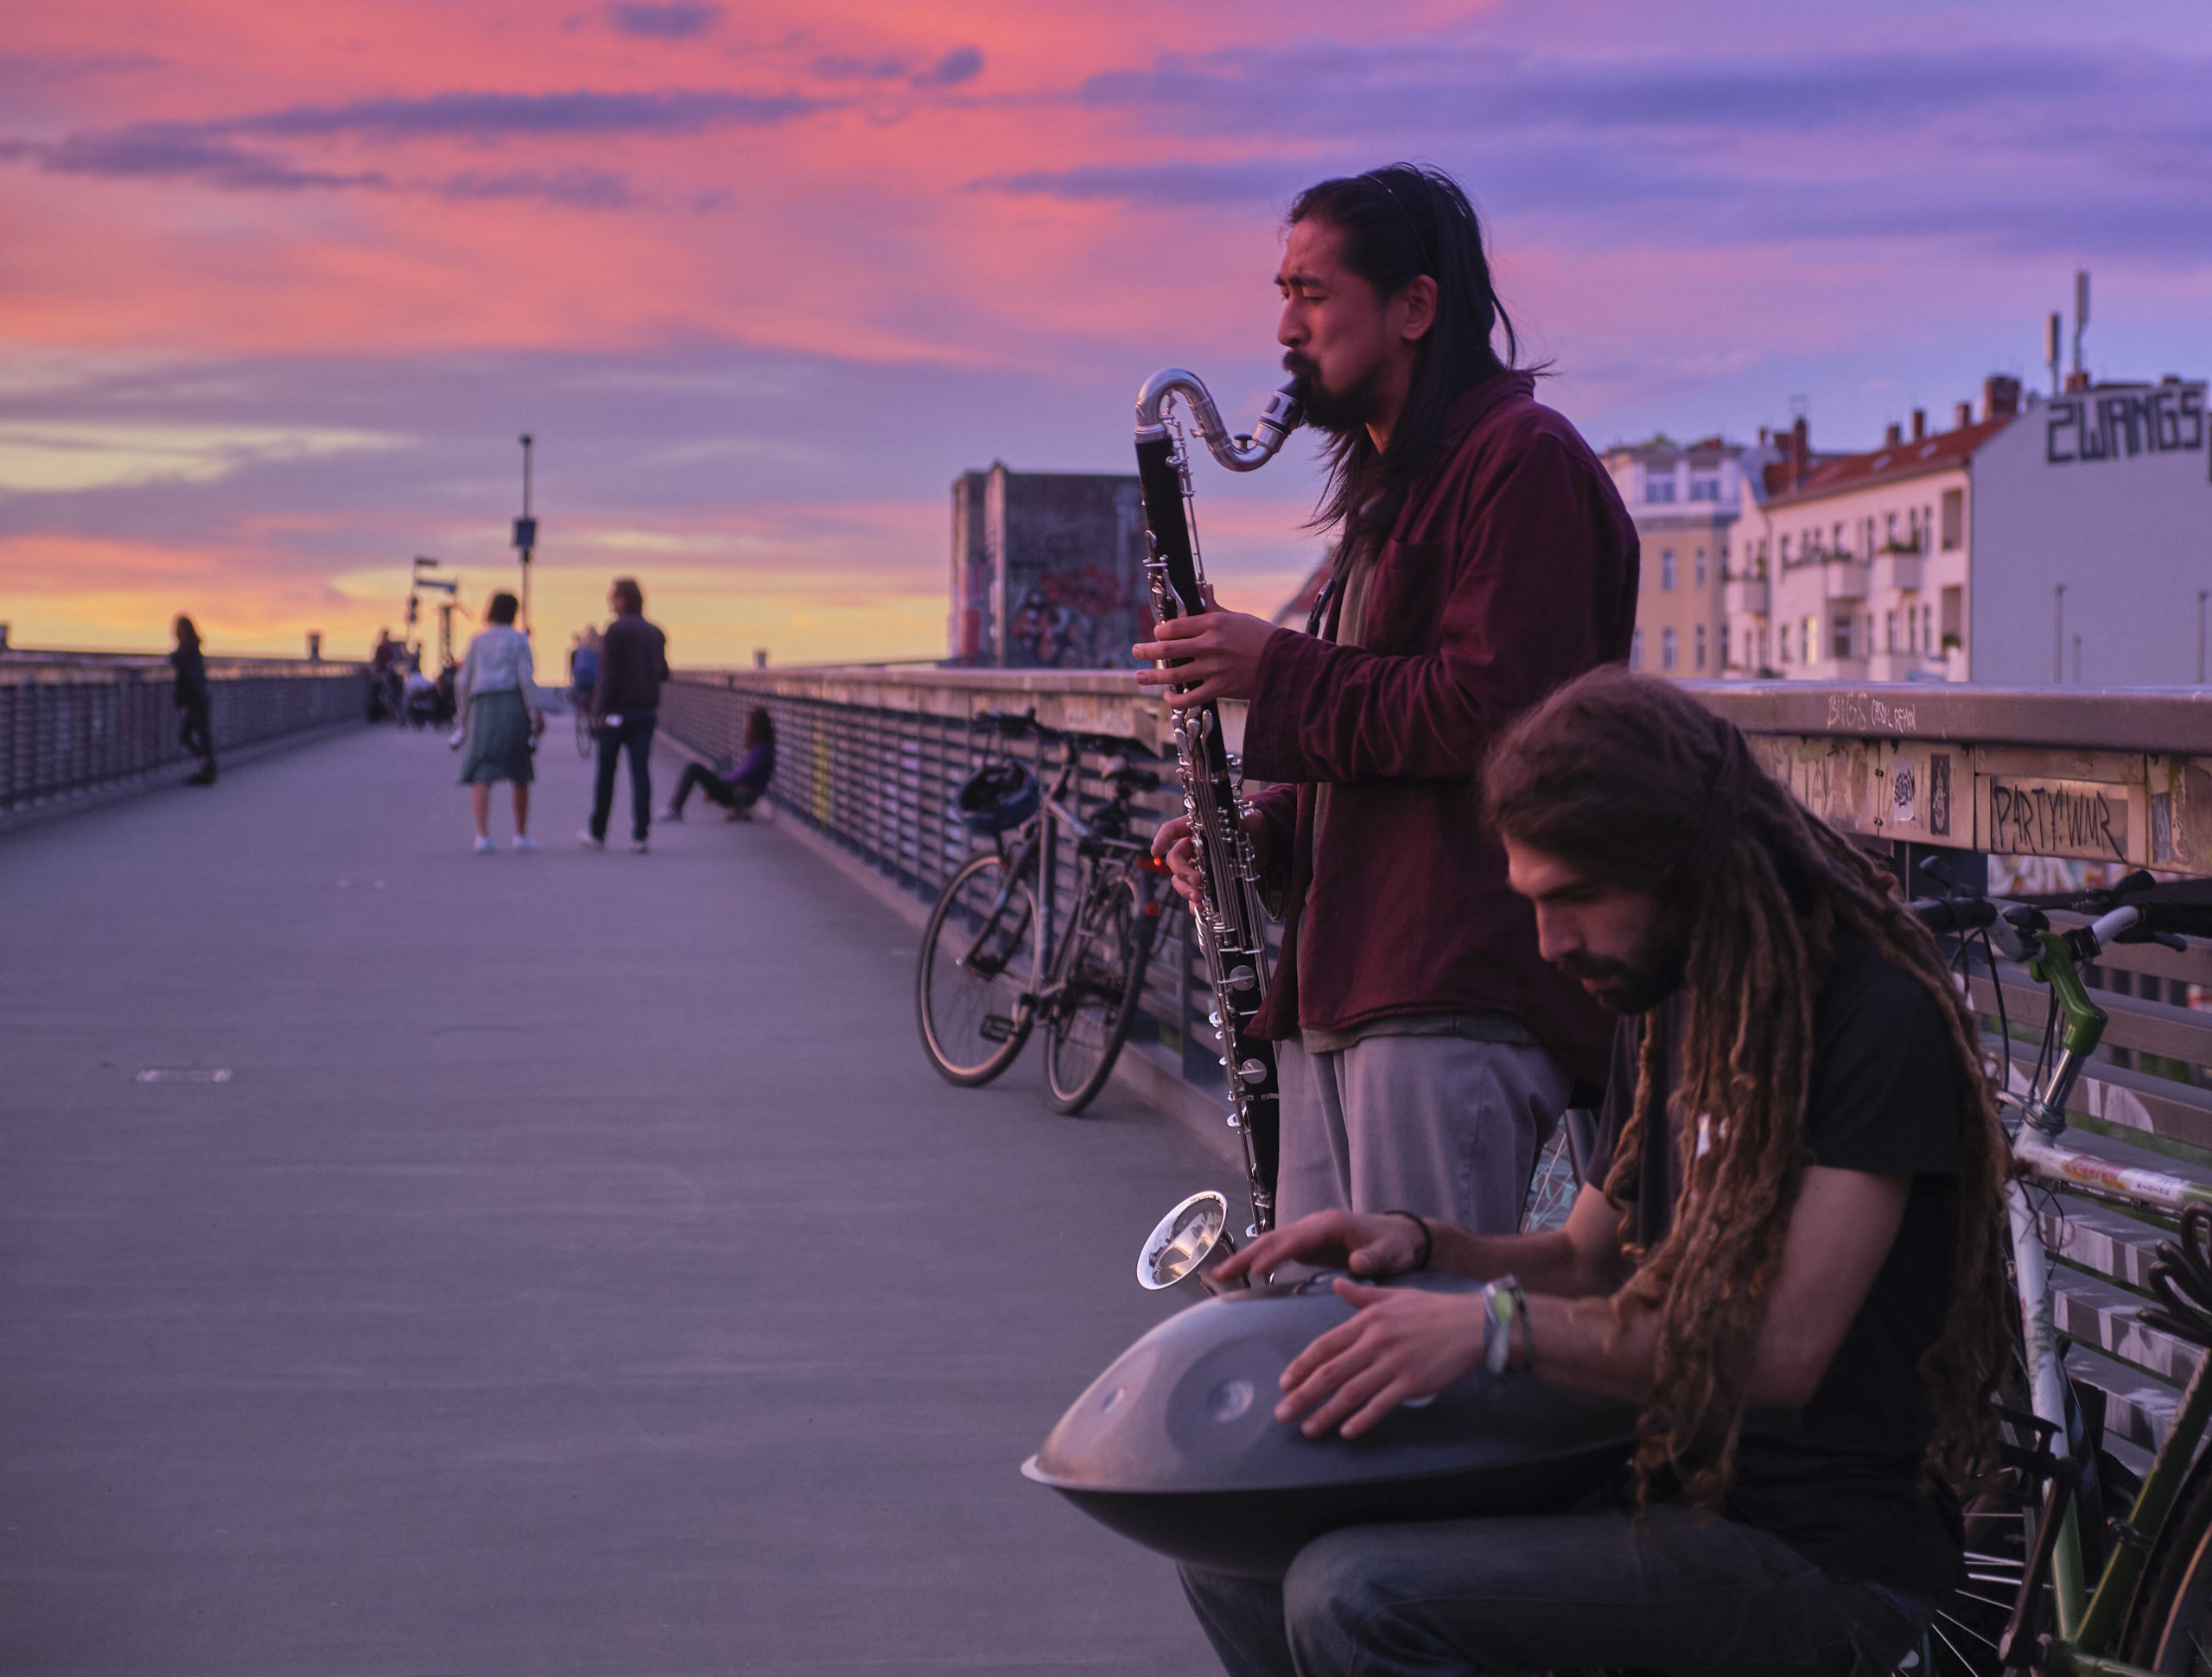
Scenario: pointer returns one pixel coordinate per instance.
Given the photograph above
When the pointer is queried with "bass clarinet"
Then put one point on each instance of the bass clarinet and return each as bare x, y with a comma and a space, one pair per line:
1230, 916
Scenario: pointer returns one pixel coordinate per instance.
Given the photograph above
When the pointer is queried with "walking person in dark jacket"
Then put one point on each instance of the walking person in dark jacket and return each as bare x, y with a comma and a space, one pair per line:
198, 734
1485, 559
625, 705
740, 789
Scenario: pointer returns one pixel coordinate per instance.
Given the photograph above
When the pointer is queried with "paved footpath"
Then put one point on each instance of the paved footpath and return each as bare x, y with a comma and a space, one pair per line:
580, 1270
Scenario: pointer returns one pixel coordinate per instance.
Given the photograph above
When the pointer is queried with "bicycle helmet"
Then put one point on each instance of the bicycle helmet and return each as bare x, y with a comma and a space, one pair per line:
999, 796
1176, 1446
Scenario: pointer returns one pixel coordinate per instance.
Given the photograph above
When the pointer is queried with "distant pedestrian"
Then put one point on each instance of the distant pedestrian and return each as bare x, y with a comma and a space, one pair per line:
625, 706
197, 735
740, 789
584, 664
500, 717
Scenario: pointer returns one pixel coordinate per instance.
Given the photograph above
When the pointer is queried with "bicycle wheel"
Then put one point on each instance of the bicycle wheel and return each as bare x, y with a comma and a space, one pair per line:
2001, 1527
1098, 976
2172, 1630
1552, 1187
584, 741
974, 993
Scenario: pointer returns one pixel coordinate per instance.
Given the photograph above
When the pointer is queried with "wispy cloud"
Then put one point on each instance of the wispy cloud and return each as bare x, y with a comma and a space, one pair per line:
679, 20
493, 115
184, 149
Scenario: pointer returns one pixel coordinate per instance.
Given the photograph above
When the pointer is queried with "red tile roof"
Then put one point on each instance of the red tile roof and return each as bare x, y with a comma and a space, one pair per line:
1844, 473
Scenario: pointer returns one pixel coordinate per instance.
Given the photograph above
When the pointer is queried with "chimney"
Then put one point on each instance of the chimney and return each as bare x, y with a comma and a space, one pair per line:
2000, 397
1961, 416
1920, 424
1801, 452
1765, 436
2077, 380
1892, 435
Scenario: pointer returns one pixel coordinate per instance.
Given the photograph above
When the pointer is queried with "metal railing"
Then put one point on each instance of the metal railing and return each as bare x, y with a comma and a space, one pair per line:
2024, 789
71, 725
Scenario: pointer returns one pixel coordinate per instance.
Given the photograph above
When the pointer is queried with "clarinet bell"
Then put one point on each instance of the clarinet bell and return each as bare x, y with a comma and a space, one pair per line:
1185, 1247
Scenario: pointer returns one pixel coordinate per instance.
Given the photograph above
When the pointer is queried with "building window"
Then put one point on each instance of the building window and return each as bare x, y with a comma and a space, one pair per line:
1666, 569
1666, 649
1698, 559
1635, 649
1840, 635
1889, 632
1954, 518
1724, 645
1891, 534
1955, 618
1697, 647
1705, 487
1656, 488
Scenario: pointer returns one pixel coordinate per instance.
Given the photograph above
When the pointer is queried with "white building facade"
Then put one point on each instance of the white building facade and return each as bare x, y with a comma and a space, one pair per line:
1941, 557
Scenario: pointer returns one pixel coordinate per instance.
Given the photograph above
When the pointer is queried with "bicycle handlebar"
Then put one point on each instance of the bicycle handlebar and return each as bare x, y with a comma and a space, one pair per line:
1012, 724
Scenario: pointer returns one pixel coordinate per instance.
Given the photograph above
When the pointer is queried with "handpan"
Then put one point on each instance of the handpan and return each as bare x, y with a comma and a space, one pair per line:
1176, 1446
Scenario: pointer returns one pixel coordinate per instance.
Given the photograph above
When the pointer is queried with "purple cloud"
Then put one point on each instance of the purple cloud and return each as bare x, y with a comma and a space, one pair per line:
961, 64
678, 20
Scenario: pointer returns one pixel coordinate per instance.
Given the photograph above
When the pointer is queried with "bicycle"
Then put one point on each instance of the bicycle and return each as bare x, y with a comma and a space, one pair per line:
587, 733
2149, 1611
991, 932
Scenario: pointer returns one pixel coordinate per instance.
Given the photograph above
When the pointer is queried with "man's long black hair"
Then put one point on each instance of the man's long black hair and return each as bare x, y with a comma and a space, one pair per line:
1398, 223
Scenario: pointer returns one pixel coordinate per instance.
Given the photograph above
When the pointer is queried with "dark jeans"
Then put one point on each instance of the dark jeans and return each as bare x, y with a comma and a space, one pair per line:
714, 788
197, 735
635, 736
1668, 1590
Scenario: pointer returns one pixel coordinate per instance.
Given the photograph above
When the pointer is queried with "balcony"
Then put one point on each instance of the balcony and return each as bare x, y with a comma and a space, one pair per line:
1843, 577
1897, 568
1740, 595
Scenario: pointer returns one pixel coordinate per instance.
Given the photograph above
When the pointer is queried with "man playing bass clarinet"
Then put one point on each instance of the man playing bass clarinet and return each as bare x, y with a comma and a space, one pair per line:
1483, 559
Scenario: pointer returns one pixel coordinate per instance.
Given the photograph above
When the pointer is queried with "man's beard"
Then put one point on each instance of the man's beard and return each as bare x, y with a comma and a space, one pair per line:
1636, 985
1337, 413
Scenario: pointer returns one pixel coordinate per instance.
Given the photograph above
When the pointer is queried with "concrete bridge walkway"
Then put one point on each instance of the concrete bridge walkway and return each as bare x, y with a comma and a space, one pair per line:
576, 1269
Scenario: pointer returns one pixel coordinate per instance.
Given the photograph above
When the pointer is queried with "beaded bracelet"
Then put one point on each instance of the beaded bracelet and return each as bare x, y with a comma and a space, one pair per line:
1502, 1300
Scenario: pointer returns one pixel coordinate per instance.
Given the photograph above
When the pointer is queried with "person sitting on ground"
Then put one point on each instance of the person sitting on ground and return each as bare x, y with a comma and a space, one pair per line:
740, 789
498, 697
1793, 1263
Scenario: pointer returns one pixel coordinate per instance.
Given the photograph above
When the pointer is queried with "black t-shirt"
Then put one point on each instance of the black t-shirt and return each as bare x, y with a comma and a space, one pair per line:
1839, 1480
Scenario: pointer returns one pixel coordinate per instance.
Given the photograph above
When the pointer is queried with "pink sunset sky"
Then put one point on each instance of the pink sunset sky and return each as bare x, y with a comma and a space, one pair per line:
282, 284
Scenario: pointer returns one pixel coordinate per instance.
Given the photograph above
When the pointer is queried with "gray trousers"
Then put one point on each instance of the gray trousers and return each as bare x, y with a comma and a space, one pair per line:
1443, 1127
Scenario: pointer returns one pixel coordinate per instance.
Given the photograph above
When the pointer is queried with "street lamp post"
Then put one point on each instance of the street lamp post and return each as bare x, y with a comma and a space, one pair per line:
2058, 634
525, 533
2203, 594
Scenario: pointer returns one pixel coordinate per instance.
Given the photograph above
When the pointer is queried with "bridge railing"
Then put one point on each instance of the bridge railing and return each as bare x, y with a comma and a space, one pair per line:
71, 725
2026, 790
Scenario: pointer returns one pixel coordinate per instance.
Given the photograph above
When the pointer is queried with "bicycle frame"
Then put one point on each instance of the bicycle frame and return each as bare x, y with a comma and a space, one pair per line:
1037, 860
2086, 1620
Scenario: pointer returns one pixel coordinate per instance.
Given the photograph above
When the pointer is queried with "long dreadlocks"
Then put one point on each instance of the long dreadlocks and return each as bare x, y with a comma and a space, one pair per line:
1632, 783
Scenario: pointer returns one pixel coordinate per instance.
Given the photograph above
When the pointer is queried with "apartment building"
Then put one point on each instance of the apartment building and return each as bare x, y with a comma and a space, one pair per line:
1684, 500
1960, 555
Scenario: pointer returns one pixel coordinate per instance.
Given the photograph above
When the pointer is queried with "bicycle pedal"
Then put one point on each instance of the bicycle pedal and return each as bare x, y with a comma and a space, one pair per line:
997, 1027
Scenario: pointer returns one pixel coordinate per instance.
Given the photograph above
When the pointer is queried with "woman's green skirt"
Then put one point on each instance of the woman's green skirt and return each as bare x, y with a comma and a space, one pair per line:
499, 740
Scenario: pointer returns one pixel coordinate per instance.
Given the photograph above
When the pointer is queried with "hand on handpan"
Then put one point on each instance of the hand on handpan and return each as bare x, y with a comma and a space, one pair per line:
1218, 653
1174, 845
1385, 1244
1402, 1344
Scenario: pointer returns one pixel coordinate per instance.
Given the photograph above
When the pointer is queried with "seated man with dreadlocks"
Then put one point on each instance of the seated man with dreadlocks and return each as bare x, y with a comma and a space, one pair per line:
1792, 1263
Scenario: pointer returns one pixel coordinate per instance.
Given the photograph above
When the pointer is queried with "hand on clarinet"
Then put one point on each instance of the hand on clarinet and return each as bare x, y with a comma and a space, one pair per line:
1174, 845
1216, 654
1375, 1244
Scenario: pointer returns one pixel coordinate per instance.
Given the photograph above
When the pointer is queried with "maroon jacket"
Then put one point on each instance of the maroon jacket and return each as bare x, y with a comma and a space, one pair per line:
1511, 570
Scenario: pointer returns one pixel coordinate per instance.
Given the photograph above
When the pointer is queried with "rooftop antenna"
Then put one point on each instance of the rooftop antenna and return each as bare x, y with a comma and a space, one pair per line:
2081, 314
2054, 344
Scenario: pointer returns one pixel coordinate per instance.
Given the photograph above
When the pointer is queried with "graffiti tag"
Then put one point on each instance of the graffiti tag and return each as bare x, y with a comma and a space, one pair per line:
1862, 712
2058, 818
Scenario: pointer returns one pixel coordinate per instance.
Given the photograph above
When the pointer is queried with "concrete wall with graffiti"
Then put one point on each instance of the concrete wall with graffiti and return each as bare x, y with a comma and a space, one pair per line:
1047, 570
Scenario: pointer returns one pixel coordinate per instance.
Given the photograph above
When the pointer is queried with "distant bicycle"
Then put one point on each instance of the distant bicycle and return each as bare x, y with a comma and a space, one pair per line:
580, 705
992, 932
